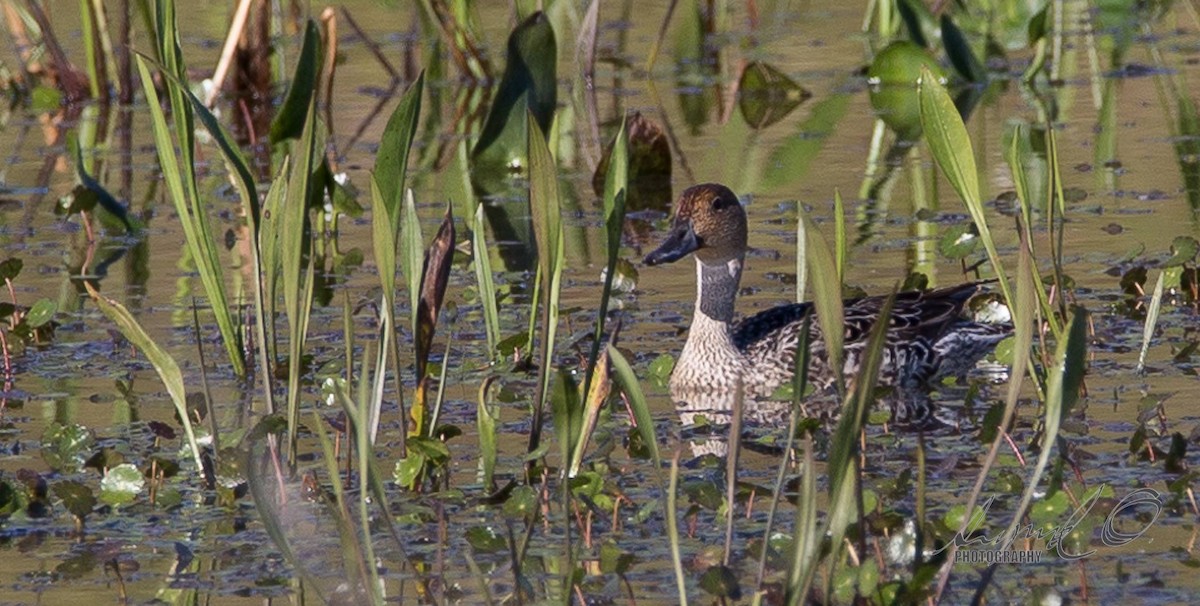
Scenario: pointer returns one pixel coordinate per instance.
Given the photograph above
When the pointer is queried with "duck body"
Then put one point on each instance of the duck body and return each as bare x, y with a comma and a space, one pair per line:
928, 338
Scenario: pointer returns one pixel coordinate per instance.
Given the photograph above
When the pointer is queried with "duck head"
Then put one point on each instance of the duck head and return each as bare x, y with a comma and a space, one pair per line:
709, 221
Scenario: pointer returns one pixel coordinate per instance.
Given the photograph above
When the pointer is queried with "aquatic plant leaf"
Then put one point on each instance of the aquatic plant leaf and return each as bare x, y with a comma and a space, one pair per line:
485, 281
1062, 391
528, 87
289, 123
597, 395
42, 312
720, 581
843, 460
412, 254
1151, 320
566, 412
121, 484
614, 560
521, 503
1183, 250
961, 56
546, 207
632, 389
953, 153
179, 174
65, 448
485, 539
435, 275
827, 296
76, 497
391, 161
616, 187
10, 268
767, 95
487, 416
959, 241
164, 364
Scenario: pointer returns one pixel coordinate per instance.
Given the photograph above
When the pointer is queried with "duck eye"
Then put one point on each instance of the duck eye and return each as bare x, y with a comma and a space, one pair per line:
718, 204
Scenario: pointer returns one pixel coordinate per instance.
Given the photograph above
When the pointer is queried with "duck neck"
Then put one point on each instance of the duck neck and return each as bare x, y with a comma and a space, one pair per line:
716, 288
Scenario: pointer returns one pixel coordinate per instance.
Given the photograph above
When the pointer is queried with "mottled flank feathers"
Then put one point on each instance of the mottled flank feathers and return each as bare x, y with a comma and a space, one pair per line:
927, 339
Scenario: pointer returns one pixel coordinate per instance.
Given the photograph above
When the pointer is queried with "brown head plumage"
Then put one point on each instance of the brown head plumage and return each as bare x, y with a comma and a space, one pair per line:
709, 221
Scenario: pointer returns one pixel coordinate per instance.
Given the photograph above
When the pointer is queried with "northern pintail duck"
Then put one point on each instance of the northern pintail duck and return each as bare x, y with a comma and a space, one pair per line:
928, 338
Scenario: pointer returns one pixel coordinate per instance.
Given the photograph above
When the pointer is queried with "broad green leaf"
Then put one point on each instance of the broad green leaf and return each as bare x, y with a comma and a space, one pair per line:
121, 484
391, 162
290, 122
66, 447
42, 312
952, 151
827, 296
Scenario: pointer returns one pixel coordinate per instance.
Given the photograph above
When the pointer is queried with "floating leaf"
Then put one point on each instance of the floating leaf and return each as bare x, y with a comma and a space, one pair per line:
614, 560
1183, 250
721, 582
121, 484
42, 312
485, 539
10, 268
66, 448
959, 241
76, 497
521, 503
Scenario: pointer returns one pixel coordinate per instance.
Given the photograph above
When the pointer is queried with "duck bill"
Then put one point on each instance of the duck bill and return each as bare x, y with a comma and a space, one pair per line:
679, 243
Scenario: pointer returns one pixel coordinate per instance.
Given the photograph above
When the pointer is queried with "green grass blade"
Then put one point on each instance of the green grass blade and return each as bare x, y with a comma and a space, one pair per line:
616, 182
673, 530
485, 281
839, 236
164, 364
486, 417
827, 298
297, 274
801, 254
412, 255
1024, 314
391, 162
623, 373
1151, 321
546, 208
843, 455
